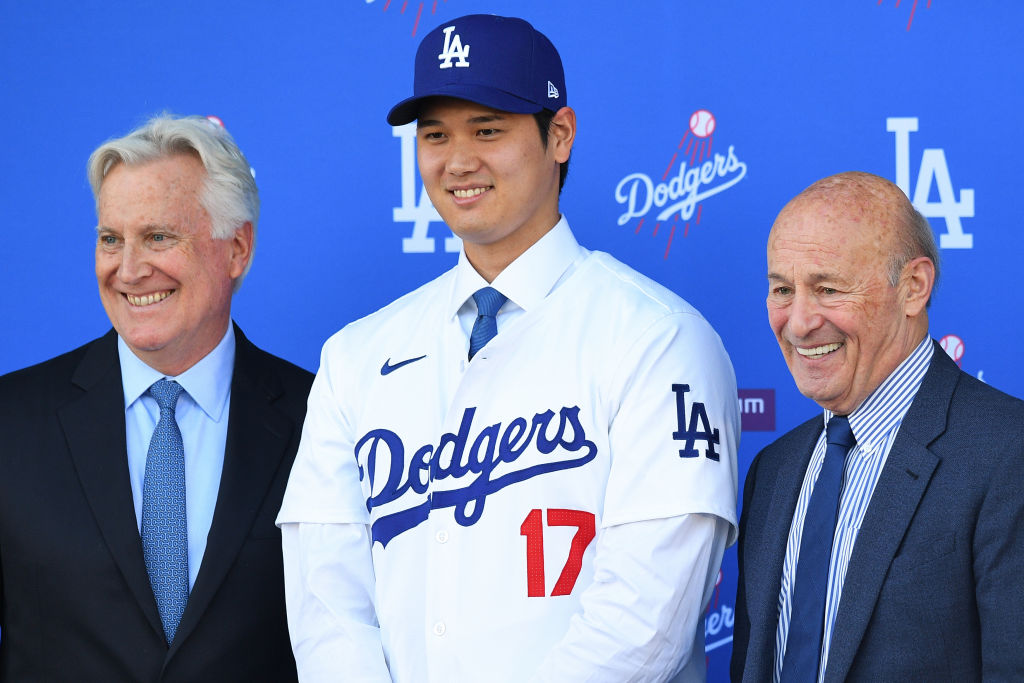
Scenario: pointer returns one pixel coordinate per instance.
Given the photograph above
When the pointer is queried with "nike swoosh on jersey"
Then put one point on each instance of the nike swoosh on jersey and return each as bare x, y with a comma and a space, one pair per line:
387, 368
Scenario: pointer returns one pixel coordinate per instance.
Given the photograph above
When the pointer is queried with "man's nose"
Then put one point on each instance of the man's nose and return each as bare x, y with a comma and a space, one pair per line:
134, 264
804, 315
462, 158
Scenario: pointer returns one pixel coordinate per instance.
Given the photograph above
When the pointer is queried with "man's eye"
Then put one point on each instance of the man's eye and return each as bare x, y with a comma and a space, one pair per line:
433, 135
828, 290
159, 238
488, 132
782, 290
108, 240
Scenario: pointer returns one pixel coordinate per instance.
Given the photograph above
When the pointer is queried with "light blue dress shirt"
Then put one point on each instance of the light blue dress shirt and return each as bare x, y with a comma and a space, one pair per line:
202, 416
875, 424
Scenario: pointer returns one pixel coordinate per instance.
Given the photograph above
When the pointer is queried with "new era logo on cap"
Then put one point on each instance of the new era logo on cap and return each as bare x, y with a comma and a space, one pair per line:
514, 67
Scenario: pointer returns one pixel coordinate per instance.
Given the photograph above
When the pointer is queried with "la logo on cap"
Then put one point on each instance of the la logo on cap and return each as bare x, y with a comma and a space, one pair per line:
453, 49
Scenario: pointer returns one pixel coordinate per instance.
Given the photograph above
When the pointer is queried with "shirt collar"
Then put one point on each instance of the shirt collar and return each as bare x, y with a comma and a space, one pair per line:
208, 382
884, 409
528, 279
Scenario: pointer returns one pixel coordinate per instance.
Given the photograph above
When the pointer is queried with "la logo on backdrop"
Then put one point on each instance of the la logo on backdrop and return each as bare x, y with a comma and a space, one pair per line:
417, 209
933, 172
680, 191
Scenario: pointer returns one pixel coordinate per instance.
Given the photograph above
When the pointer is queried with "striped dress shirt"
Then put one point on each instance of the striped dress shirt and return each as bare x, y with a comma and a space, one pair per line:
875, 424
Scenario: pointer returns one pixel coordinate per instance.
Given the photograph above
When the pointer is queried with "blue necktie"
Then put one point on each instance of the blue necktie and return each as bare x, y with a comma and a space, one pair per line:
164, 538
807, 618
488, 301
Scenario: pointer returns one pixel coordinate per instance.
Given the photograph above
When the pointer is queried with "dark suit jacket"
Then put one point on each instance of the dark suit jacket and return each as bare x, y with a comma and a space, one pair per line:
75, 599
935, 586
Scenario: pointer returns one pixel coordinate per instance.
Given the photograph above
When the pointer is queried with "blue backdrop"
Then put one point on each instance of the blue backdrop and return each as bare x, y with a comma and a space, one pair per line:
925, 93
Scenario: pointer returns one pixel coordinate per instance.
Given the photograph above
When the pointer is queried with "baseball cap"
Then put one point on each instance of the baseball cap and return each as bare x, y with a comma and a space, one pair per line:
499, 62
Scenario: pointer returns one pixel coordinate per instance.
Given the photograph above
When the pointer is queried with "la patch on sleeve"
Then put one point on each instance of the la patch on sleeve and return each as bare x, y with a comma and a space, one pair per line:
693, 426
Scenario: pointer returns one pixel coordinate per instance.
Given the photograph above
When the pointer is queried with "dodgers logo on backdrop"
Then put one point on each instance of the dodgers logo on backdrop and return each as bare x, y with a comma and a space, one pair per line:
453, 49
701, 174
465, 456
718, 620
418, 211
933, 171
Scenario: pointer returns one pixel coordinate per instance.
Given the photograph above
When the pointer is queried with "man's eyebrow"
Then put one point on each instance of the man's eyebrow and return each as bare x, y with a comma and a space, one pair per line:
486, 118
483, 118
813, 278
147, 228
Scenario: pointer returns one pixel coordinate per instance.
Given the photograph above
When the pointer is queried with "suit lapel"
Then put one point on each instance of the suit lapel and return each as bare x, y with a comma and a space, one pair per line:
94, 426
765, 567
902, 483
257, 440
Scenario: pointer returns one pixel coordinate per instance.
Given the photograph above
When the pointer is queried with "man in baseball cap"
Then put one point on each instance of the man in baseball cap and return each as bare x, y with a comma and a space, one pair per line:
526, 468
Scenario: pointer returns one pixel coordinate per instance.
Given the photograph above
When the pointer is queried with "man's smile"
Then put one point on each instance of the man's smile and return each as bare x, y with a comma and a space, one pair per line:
815, 352
148, 299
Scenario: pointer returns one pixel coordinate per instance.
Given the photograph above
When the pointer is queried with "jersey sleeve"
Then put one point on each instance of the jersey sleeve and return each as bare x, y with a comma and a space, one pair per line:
642, 617
675, 426
329, 587
324, 485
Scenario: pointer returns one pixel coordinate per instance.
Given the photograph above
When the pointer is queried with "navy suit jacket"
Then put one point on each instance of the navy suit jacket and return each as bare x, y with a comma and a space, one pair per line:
935, 586
75, 599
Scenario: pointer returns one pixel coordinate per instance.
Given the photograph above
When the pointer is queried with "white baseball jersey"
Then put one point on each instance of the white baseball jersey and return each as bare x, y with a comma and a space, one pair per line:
604, 400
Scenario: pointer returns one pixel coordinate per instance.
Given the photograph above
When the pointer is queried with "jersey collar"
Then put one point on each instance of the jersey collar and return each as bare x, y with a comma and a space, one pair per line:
528, 279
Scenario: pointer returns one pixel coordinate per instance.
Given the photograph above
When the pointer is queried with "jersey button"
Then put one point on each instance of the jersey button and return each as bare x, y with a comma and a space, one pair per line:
439, 628
442, 536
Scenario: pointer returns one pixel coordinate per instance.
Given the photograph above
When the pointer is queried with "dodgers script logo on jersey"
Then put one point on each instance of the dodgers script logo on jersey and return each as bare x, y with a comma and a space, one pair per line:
382, 451
486, 459
933, 171
701, 175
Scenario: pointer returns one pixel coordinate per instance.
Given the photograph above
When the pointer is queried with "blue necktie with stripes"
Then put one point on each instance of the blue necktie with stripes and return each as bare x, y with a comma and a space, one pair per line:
164, 537
488, 301
807, 617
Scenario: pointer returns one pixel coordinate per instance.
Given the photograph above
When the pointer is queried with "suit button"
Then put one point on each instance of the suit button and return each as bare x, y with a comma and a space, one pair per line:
442, 536
439, 628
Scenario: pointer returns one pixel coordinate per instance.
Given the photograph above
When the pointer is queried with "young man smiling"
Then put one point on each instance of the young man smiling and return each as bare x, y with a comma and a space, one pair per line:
524, 469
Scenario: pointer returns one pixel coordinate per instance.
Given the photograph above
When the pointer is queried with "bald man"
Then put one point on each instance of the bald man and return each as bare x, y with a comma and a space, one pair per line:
878, 540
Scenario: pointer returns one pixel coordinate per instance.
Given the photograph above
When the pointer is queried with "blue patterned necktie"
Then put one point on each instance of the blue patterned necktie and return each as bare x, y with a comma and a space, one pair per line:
488, 301
807, 617
164, 537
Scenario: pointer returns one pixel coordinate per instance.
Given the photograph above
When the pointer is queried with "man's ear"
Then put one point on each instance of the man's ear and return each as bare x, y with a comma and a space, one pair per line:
918, 278
562, 133
241, 250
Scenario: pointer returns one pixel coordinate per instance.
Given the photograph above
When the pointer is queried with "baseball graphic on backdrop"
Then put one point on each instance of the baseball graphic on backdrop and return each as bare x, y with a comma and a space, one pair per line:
702, 123
953, 346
